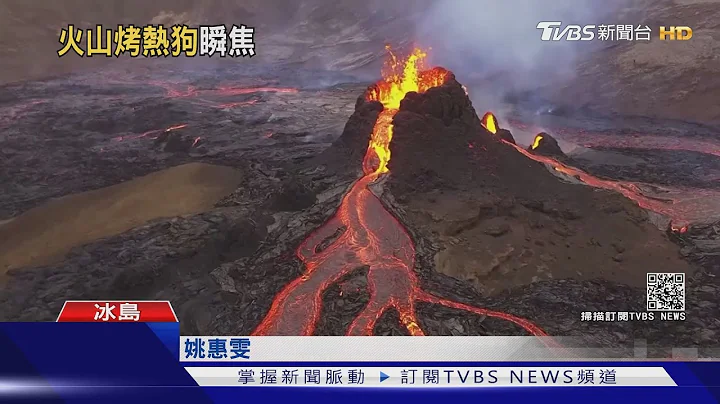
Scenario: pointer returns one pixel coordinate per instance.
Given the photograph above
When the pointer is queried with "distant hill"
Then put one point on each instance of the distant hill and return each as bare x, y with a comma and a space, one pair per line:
673, 79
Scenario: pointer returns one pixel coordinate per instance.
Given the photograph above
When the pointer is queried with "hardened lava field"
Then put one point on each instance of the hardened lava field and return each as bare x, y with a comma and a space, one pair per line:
414, 216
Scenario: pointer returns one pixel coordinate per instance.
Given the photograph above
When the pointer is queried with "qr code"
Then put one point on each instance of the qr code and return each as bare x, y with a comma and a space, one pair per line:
666, 292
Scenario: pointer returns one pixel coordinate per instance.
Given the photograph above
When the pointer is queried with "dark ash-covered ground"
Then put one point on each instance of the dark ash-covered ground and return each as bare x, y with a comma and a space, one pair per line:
222, 268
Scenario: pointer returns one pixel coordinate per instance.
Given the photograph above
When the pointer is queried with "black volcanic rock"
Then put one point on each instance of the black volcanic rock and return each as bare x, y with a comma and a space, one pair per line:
172, 142
439, 143
446, 166
447, 103
344, 157
222, 269
294, 196
546, 145
178, 144
505, 135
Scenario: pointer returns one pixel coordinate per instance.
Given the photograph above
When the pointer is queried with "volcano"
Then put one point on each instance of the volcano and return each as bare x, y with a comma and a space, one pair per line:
500, 219
489, 122
364, 232
546, 145
503, 218
413, 217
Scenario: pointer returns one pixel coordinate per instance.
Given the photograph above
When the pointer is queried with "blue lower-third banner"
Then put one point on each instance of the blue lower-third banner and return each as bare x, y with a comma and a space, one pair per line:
77, 362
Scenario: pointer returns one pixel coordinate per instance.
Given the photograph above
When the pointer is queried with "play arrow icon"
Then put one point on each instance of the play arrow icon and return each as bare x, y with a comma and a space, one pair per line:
383, 377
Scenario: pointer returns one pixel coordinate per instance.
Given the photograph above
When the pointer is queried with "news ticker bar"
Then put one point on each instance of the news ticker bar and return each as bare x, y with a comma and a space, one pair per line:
423, 377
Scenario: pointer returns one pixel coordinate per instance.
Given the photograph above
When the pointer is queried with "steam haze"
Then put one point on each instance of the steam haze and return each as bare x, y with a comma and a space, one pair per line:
495, 48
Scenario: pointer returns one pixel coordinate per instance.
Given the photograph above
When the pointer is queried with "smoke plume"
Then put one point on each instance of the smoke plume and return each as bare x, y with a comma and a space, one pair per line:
495, 47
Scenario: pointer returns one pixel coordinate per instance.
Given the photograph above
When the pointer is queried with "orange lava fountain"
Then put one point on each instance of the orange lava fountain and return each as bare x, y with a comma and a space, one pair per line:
372, 236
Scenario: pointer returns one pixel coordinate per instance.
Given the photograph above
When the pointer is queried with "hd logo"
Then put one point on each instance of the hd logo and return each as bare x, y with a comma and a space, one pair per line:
676, 33
552, 31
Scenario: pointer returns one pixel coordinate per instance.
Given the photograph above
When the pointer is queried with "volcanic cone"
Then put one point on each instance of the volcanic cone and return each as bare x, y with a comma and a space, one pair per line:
493, 213
503, 219
546, 145
505, 135
490, 123
345, 156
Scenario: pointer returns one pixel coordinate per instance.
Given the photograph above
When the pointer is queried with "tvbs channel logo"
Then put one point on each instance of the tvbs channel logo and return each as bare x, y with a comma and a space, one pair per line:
552, 32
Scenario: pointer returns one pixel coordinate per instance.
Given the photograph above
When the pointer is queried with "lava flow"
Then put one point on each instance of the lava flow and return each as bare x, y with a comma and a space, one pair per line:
12, 113
628, 189
210, 97
150, 132
173, 91
628, 141
370, 235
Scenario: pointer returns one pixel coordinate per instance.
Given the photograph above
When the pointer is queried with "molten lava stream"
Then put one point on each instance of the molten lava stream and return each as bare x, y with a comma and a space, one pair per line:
680, 216
372, 237
628, 189
626, 141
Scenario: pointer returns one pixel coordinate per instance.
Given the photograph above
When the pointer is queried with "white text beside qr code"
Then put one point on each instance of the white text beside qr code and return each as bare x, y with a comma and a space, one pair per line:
666, 292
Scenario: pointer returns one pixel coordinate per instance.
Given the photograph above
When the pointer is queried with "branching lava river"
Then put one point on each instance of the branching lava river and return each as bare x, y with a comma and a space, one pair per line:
370, 235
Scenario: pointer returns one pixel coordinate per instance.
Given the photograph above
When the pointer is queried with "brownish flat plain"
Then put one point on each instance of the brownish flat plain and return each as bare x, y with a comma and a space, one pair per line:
46, 233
